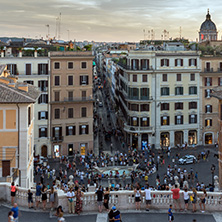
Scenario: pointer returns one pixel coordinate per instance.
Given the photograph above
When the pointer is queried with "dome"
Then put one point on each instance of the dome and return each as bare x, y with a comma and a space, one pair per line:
208, 25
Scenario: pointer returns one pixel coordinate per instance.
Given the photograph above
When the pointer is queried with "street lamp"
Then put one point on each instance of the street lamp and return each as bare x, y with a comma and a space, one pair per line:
212, 171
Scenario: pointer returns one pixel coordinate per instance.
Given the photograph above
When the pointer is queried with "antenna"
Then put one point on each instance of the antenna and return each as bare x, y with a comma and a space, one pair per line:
47, 36
180, 32
59, 25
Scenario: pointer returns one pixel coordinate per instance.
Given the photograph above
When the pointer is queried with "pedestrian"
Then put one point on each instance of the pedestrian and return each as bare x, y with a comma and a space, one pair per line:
52, 197
44, 196
79, 196
137, 192
148, 198
194, 199
38, 194
186, 198
30, 199
110, 215
13, 192
106, 198
10, 216
100, 194
59, 214
203, 200
70, 197
116, 214
16, 212
170, 214
176, 197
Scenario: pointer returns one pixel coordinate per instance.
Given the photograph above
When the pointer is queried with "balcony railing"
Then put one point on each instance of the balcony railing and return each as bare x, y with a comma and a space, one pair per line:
57, 139
43, 89
141, 98
135, 68
137, 128
78, 99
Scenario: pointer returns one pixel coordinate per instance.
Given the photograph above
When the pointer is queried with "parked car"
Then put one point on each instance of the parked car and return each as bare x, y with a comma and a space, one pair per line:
188, 159
100, 104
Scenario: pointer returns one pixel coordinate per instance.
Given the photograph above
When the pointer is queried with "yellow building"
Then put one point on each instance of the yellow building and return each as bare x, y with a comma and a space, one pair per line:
16, 127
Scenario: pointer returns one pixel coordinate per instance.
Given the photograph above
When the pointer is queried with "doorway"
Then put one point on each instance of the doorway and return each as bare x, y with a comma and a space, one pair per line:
44, 151
70, 149
178, 139
208, 138
5, 168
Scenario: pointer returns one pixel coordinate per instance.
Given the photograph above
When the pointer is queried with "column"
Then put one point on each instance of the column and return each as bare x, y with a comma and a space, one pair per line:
185, 136
139, 141
131, 139
157, 141
172, 139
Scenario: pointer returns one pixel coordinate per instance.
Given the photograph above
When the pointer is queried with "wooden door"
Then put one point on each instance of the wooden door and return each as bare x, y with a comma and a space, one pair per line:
44, 151
28, 69
5, 168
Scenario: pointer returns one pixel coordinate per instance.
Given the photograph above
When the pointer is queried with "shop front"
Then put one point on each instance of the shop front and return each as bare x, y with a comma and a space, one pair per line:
165, 139
192, 137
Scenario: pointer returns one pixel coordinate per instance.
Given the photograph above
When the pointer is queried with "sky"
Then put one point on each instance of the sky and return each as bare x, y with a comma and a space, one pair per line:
107, 20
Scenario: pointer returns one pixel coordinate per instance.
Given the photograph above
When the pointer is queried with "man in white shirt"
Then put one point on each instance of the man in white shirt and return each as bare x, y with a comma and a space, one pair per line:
70, 197
148, 197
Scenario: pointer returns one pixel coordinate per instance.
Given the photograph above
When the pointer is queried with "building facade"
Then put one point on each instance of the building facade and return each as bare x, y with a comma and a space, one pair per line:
211, 78
17, 129
35, 71
159, 97
71, 102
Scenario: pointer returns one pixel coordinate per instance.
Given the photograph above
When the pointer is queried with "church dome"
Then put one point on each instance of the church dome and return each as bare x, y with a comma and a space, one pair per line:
208, 25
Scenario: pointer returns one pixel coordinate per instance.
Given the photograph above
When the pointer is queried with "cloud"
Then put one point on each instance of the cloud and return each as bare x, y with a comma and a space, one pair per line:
107, 20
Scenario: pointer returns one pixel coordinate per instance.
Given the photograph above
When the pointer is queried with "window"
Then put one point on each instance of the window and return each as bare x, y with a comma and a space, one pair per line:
144, 121
83, 129
12, 69
29, 116
28, 69
144, 64
220, 67
165, 106
208, 122
134, 107
134, 121
178, 106
70, 80
70, 65
84, 80
178, 62
164, 62
43, 99
56, 96
165, 91
164, 77
83, 112
178, 77
42, 132
219, 81
178, 120
43, 69
134, 78
56, 65
192, 77
70, 130
178, 91
29, 82
70, 112
83, 65
70, 96
207, 93
165, 120
57, 113
192, 119
57, 132
192, 105
192, 62
144, 107
144, 93
133, 93
42, 115
43, 85
192, 90
207, 69
57, 80
135, 64
208, 81
208, 109
144, 78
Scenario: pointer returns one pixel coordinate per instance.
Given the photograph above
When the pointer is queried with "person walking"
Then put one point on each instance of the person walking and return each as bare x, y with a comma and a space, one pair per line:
148, 198
10, 216
203, 201
186, 198
38, 194
13, 192
100, 194
106, 198
194, 199
52, 197
16, 212
70, 196
170, 214
30, 199
44, 196
176, 197
137, 193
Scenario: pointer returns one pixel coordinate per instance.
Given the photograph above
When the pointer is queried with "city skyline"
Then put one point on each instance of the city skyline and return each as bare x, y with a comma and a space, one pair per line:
106, 20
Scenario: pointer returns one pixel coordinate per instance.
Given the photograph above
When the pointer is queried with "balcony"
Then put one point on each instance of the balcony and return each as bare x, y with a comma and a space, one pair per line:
57, 139
138, 129
43, 89
74, 99
137, 99
208, 70
135, 68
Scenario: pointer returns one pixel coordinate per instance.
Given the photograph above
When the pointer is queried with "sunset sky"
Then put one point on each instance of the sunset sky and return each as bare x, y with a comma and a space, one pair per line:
107, 20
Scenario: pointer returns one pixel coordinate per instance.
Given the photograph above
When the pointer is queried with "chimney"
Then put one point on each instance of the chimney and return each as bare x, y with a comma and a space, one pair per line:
35, 54
2, 54
20, 53
23, 87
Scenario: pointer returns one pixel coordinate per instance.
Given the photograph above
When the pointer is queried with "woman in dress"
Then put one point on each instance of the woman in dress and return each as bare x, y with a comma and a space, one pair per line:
194, 201
44, 196
10, 216
106, 199
52, 198
79, 196
137, 192
203, 200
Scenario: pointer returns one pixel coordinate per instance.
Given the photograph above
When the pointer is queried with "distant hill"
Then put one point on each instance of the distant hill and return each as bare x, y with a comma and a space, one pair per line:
15, 39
